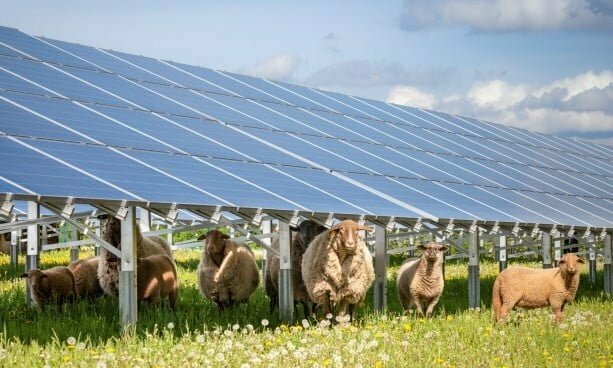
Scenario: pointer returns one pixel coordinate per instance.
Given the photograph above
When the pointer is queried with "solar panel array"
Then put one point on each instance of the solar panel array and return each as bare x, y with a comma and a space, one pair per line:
90, 123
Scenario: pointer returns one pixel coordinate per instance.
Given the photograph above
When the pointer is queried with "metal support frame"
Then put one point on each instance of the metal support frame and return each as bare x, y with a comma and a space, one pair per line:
557, 247
286, 293
98, 232
380, 290
608, 263
74, 251
14, 248
591, 253
546, 249
128, 296
502, 253
144, 220
33, 243
266, 227
474, 286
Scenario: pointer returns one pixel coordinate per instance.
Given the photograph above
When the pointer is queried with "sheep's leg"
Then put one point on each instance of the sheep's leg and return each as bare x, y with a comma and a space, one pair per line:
431, 306
229, 263
351, 312
306, 308
418, 305
326, 306
558, 312
172, 299
505, 308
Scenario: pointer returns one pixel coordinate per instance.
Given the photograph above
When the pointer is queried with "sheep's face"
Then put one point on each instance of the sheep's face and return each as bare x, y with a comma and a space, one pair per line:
112, 230
214, 241
433, 251
307, 231
348, 232
37, 281
570, 263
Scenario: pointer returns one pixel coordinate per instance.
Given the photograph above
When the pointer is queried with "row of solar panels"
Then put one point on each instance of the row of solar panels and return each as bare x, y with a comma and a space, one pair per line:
194, 145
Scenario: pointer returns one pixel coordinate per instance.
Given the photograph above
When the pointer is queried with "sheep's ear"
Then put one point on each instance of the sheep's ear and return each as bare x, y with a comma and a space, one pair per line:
443, 248
294, 228
202, 237
225, 236
363, 227
580, 260
421, 246
24, 276
103, 216
43, 276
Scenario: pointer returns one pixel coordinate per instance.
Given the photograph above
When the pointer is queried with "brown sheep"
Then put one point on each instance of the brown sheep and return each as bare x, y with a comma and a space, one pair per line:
536, 288
108, 267
304, 234
55, 284
227, 272
337, 269
86, 277
157, 279
420, 281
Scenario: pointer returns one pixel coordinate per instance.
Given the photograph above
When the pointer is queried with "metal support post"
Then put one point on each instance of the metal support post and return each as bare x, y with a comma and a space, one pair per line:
474, 286
557, 247
286, 292
502, 253
591, 246
546, 249
411, 246
74, 251
128, 273
144, 220
14, 248
33, 243
608, 264
266, 227
380, 300
98, 232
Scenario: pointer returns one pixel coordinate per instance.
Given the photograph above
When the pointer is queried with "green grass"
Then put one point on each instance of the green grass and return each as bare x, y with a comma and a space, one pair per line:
88, 334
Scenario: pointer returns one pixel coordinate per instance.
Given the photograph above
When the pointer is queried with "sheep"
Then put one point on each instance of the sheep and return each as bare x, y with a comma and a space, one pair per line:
54, 284
227, 272
108, 270
86, 277
337, 269
304, 234
420, 281
5, 244
536, 288
157, 279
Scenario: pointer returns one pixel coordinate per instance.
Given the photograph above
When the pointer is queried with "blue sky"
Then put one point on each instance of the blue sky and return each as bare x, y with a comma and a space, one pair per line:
545, 65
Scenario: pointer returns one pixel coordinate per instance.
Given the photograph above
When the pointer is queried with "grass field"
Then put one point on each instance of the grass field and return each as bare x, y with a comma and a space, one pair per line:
87, 334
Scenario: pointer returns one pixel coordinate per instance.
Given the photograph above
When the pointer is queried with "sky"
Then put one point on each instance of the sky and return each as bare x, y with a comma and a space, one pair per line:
543, 65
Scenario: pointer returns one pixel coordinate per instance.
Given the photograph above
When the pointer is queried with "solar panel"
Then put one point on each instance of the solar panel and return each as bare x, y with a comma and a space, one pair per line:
110, 122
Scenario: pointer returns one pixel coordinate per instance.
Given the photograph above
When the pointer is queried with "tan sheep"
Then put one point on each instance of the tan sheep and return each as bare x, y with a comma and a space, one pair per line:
420, 282
86, 277
157, 279
536, 288
337, 269
304, 234
227, 272
55, 284
108, 270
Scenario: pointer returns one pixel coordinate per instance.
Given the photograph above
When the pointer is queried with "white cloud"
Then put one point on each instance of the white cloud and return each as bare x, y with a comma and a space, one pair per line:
496, 94
578, 84
411, 96
278, 67
507, 15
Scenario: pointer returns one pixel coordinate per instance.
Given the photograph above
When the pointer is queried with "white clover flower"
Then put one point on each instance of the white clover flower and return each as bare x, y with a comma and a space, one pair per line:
81, 346
236, 327
71, 340
265, 322
170, 325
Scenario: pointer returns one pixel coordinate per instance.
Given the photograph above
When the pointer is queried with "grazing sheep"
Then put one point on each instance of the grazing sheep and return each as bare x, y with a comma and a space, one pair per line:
5, 244
337, 269
227, 272
304, 234
108, 267
535, 288
55, 284
86, 277
157, 279
420, 281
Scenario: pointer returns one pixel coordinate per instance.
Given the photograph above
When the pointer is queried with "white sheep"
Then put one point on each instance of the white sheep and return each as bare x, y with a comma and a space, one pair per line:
55, 284
86, 277
157, 279
420, 282
536, 288
337, 269
108, 270
227, 272
304, 234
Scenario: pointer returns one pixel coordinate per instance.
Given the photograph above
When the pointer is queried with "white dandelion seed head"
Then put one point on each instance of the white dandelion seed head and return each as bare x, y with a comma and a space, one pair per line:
81, 346
236, 327
71, 340
265, 322
329, 316
170, 325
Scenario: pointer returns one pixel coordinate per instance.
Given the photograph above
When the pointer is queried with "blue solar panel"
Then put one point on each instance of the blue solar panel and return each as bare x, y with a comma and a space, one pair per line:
205, 145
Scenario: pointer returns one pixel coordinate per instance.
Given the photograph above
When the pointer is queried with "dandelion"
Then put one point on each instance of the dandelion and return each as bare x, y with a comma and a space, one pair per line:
81, 346
236, 327
249, 327
219, 357
329, 316
384, 357
245, 365
440, 360
200, 339
71, 340
265, 322
101, 364
170, 325
305, 323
